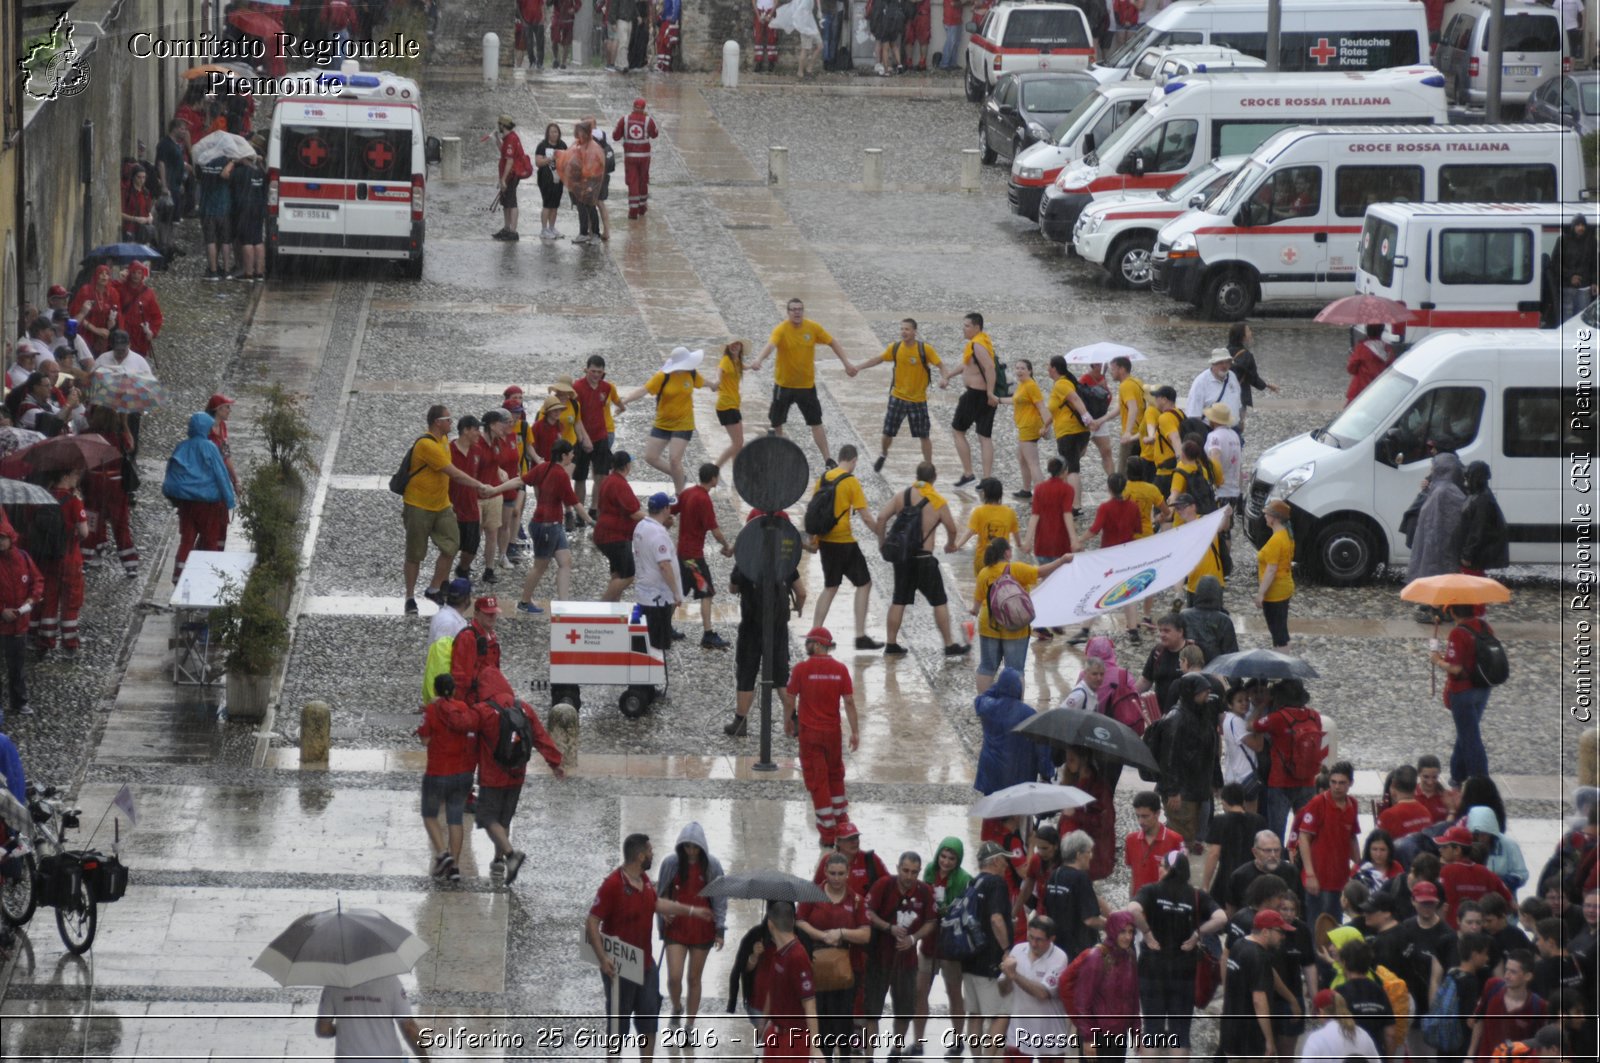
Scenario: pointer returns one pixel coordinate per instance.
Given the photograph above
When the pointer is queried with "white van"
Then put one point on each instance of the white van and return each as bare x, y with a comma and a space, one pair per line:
1465, 265
1026, 36
1118, 231
1161, 62
1190, 121
1492, 396
1288, 225
1314, 35
1095, 118
1533, 48
347, 171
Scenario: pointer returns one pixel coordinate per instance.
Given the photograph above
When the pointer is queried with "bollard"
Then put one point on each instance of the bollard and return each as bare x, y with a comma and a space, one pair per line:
491, 58
778, 167
1588, 752
315, 732
872, 174
563, 728
450, 158
730, 64
1330, 740
970, 169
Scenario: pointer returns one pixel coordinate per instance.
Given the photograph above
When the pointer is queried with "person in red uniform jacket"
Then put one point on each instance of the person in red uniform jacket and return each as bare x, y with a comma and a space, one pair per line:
220, 407
500, 785
106, 493
1367, 359
624, 907
475, 650
1328, 835
21, 591
1460, 877
765, 44
635, 130
530, 30
839, 922
96, 306
63, 577
818, 684
561, 19
140, 311
449, 731
468, 454
787, 992
686, 871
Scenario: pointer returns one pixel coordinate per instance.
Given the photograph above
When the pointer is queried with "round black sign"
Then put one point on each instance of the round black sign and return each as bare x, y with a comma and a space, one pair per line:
771, 473
756, 561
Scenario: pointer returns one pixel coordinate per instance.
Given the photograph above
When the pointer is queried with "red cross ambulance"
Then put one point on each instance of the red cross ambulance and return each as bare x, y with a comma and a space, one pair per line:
603, 644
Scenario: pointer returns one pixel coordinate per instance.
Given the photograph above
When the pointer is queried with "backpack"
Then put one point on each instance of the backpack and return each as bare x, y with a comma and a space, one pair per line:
1193, 426
1399, 998
1095, 398
46, 538
1010, 606
1490, 667
1444, 1027
611, 156
820, 518
1200, 488
1302, 755
905, 534
961, 931
1127, 13
514, 747
402, 476
1124, 702
1067, 987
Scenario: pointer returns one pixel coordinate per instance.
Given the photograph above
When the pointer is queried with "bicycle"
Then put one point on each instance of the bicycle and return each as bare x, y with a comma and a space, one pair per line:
41, 870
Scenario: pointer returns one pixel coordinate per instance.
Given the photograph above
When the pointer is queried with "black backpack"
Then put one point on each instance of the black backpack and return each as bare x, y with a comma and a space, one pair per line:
1193, 426
1489, 656
514, 748
905, 534
46, 538
1095, 398
611, 156
820, 518
1198, 485
402, 476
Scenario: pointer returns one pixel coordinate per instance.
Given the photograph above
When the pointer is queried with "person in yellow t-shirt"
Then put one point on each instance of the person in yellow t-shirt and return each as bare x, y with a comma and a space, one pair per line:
1129, 395
1070, 421
913, 363
975, 408
794, 374
1189, 466
674, 387
427, 513
997, 645
841, 555
730, 376
1159, 442
1274, 573
919, 574
1210, 564
992, 519
1146, 495
1028, 410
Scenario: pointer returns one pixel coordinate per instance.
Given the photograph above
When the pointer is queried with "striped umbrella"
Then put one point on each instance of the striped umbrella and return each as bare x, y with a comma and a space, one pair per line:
125, 392
341, 948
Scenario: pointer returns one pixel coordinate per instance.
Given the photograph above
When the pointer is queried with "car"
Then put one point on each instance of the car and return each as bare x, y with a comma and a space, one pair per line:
1026, 108
1572, 100
1533, 47
1019, 36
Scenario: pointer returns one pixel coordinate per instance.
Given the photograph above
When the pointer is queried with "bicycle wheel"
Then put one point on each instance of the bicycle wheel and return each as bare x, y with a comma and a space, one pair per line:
18, 898
77, 919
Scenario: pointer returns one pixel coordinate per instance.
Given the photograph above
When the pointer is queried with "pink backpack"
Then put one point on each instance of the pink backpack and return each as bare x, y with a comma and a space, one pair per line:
1010, 606
1123, 703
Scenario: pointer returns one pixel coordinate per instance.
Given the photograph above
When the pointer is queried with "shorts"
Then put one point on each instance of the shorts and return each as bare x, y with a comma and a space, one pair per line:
550, 194
973, 409
897, 983
508, 195
497, 804
842, 561
747, 656
620, 554
1071, 448
687, 567
805, 398
471, 535
991, 652
605, 189
217, 230
671, 433
448, 790
727, 417
982, 996
422, 525
901, 410
249, 228
642, 1003
1104, 431
549, 539
597, 459
1166, 1003
489, 511
919, 575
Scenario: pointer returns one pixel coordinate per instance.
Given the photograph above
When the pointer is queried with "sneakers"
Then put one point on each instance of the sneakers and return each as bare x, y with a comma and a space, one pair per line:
894, 649
489, 576
877, 463
529, 607
1022, 494
411, 607
511, 237
497, 866
713, 641
462, 572
547, 234
441, 864
434, 595
26, 710
867, 642
213, 275
501, 235
678, 636
513, 865
966, 478
738, 727
960, 649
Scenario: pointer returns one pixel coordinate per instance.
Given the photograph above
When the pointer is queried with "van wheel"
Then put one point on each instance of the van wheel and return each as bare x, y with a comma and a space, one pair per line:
1129, 263
975, 87
635, 702
1229, 296
986, 154
1345, 554
413, 268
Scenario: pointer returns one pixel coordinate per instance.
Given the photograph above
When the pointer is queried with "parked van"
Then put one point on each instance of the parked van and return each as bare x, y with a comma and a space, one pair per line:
1465, 265
1165, 61
1493, 396
1118, 231
1288, 225
1026, 37
1096, 118
1192, 120
1315, 35
1533, 48
347, 172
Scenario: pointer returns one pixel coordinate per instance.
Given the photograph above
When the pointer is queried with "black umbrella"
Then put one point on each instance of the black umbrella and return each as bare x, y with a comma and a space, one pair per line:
765, 886
1260, 664
1090, 730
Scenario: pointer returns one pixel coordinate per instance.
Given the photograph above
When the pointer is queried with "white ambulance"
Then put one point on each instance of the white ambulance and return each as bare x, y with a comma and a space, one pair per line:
1288, 226
1026, 36
1189, 121
347, 170
1095, 118
1118, 231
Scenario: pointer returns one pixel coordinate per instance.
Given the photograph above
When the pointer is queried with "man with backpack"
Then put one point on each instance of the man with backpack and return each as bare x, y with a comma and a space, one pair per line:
1445, 1028
913, 363
423, 484
476, 650
818, 685
837, 499
908, 529
508, 734
1295, 734
1474, 661
985, 913
1004, 610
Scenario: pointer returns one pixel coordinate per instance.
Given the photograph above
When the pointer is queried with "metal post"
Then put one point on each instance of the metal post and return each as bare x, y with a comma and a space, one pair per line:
1497, 18
86, 175
769, 605
1274, 27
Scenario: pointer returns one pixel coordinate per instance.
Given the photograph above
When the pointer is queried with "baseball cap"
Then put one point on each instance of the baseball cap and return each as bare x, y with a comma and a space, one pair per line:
1457, 835
58, 291
660, 501
1378, 902
1185, 499
1323, 999
638, 103
1424, 893
217, 400
820, 634
486, 604
988, 851
458, 590
847, 830
1267, 919
1548, 1036
1220, 354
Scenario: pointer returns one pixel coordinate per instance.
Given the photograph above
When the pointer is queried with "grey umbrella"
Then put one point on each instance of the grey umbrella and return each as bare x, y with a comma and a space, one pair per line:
341, 948
1260, 664
765, 886
23, 493
1089, 730
1028, 799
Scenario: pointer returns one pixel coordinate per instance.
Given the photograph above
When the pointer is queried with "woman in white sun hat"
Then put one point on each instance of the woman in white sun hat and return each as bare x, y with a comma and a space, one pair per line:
673, 386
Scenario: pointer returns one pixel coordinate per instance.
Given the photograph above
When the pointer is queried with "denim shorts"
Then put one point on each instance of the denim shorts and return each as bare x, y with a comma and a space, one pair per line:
667, 433
991, 651
448, 790
548, 539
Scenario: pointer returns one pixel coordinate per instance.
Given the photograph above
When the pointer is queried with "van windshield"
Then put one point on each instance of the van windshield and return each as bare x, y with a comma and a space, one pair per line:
1234, 191
1369, 410
1195, 182
1123, 57
1078, 119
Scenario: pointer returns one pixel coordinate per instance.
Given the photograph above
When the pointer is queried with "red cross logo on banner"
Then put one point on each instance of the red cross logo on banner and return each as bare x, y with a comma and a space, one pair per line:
379, 155
573, 636
313, 151
1323, 51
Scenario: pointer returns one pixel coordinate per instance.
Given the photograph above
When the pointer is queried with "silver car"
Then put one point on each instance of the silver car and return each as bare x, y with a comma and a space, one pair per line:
1572, 100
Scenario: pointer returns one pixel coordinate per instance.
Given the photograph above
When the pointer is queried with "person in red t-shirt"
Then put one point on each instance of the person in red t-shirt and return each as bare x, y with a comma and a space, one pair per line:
685, 873
1290, 783
500, 785
1146, 848
1405, 815
866, 867
1460, 877
787, 993
467, 454
613, 530
551, 482
1050, 533
1465, 699
449, 731
697, 517
500, 439
530, 27
1436, 799
512, 158
1329, 839
838, 922
818, 684
1117, 521
1508, 1010
597, 397
902, 911
623, 908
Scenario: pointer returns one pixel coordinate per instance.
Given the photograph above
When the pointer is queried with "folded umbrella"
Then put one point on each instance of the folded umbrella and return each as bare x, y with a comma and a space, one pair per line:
340, 948
1102, 352
1089, 730
22, 493
1029, 799
1260, 664
62, 452
125, 392
1455, 588
765, 886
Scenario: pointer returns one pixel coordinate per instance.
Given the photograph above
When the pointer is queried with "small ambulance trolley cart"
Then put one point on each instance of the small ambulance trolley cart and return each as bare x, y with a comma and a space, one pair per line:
603, 644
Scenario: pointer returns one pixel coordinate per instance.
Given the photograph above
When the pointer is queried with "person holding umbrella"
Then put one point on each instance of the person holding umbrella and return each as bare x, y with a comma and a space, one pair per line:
1466, 695
1367, 359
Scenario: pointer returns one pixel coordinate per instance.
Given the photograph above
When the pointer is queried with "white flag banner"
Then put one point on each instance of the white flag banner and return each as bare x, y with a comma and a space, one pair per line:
1102, 580
123, 803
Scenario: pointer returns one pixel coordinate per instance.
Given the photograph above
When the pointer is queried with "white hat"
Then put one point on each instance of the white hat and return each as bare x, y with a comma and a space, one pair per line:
683, 360
1220, 354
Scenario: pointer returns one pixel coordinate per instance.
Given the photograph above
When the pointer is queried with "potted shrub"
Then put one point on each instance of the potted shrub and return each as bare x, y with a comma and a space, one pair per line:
253, 635
270, 513
288, 436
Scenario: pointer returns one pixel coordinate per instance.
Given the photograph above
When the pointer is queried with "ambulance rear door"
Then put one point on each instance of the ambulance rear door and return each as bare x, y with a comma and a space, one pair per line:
378, 159
311, 177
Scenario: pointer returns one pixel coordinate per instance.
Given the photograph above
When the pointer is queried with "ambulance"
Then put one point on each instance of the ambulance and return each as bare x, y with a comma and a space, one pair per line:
347, 170
1189, 121
604, 644
1465, 265
1288, 226
1095, 118
1118, 231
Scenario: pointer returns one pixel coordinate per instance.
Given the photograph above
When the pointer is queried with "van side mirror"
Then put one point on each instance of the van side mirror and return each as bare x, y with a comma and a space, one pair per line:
432, 150
1088, 144
1387, 449
1197, 201
1133, 164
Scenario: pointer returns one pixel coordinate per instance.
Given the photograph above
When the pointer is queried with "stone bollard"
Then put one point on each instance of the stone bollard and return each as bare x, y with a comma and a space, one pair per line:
971, 167
315, 732
730, 64
491, 58
562, 723
872, 172
1589, 756
778, 166
450, 158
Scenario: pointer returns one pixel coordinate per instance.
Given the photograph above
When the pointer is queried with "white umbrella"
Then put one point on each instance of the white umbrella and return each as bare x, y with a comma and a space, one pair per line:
1027, 799
221, 145
341, 948
1102, 352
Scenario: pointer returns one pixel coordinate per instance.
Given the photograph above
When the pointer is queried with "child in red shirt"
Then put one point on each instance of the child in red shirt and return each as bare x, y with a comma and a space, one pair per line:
1117, 521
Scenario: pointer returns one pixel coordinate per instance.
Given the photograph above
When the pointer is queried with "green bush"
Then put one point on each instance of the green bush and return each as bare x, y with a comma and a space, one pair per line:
287, 432
1591, 151
269, 508
249, 628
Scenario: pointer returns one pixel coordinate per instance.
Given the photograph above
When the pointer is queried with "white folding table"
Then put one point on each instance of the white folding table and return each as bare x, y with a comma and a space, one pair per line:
207, 574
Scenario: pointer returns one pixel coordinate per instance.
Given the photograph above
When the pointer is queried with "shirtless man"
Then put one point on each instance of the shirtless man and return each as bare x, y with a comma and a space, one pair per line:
921, 573
978, 402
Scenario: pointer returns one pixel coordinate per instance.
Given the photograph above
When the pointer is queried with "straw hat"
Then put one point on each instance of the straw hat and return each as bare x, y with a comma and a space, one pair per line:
744, 347
1218, 413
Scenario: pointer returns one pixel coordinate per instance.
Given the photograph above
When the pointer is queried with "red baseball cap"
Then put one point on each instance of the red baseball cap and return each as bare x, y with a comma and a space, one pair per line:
820, 634
1267, 919
1323, 999
58, 291
216, 400
847, 830
486, 605
1425, 893
1457, 835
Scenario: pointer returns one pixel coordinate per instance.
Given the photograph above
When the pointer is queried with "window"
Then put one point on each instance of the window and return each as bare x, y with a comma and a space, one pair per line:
1241, 137
1295, 192
1378, 240
1006, 94
1459, 33
1354, 187
1045, 29
1114, 118
379, 155
1498, 183
1167, 147
313, 152
1249, 43
1589, 90
1052, 96
1144, 67
1530, 33
1486, 256
1445, 418
1536, 426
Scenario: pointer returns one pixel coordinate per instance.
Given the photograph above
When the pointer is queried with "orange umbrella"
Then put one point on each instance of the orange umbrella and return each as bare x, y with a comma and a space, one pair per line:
1455, 588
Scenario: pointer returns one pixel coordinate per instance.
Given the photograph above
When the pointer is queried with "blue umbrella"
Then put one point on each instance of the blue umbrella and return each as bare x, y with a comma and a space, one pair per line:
124, 252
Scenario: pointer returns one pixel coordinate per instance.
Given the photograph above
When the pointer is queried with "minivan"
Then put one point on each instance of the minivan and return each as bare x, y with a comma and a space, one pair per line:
1092, 121
1533, 48
1491, 395
1018, 36
1163, 61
